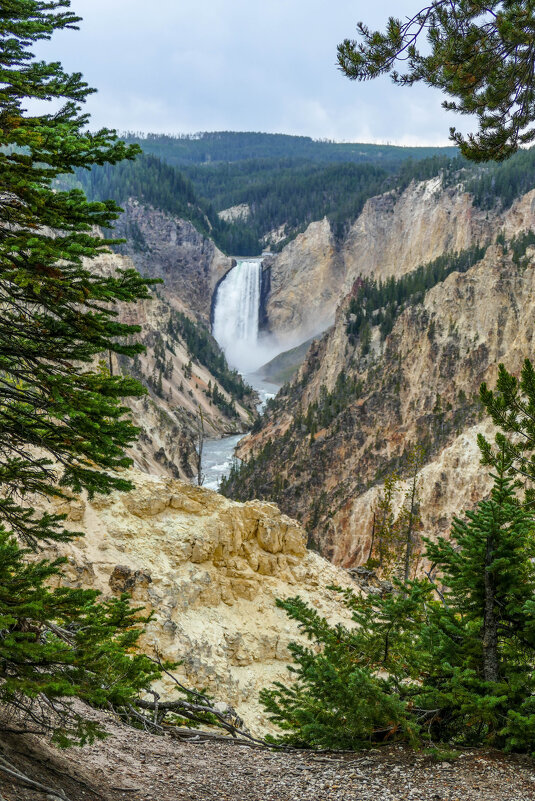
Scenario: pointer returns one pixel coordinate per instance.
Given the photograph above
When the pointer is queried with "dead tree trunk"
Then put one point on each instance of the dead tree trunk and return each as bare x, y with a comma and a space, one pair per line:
200, 446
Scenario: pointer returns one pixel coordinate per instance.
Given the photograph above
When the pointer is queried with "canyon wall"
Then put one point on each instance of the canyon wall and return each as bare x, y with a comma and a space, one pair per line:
306, 281
167, 247
395, 233
418, 386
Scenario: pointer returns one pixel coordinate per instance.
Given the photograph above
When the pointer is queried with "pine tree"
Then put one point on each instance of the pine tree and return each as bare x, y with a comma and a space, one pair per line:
62, 425
483, 634
449, 659
409, 518
385, 536
345, 687
479, 53
61, 644
512, 408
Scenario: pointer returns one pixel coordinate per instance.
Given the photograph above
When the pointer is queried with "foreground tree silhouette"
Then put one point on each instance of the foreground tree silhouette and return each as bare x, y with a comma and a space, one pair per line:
482, 54
62, 426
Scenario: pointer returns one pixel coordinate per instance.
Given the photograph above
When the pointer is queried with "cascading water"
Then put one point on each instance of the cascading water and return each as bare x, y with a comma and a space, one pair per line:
236, 313
235, 327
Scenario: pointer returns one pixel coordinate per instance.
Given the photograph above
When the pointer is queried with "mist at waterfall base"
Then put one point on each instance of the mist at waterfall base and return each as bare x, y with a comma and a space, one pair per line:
236, 318
235, 327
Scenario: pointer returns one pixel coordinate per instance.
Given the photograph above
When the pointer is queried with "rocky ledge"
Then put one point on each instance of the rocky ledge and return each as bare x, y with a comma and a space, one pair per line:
210, 569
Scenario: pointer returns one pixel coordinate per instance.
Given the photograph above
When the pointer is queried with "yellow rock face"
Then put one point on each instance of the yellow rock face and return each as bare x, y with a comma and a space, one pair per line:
210, 569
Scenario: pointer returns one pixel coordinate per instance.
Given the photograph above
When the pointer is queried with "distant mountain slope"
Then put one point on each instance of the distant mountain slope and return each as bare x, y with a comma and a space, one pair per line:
161, 186
282, 195
283, 367
229, 146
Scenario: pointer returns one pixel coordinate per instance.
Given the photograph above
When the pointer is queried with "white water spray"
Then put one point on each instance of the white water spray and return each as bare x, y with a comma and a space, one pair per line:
236, 315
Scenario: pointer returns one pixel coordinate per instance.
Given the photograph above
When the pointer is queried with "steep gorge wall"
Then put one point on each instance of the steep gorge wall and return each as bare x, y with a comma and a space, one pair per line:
306, 279
167, 247
394, 234
420, 386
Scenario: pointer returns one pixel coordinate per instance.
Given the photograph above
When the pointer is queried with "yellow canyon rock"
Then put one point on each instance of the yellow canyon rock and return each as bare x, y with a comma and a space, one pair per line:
210, 569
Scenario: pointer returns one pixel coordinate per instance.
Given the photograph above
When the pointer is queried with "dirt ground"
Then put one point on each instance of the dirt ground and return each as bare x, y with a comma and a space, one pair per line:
134, 766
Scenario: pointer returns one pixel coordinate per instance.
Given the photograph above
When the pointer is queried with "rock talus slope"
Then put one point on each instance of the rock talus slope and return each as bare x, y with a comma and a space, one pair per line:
210, 569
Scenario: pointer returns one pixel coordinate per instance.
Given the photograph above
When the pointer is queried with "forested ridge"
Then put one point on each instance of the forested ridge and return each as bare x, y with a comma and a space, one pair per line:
230, 146
282, 194
157, 184
287, 182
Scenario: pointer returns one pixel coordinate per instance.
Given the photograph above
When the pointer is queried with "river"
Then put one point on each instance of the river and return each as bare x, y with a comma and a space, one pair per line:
217, 454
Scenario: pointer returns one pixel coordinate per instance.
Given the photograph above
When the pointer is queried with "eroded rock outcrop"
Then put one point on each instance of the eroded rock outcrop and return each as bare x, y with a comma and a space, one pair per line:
210, 569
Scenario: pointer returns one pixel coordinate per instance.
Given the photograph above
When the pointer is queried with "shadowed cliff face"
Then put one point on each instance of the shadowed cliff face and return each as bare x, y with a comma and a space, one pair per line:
419, 386
166, 247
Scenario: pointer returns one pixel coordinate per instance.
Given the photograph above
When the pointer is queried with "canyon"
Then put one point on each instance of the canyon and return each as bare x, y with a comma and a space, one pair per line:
179, 381
438, 352
418, 386
210, 568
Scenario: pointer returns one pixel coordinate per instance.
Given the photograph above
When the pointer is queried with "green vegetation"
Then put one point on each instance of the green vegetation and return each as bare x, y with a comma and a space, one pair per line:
251, 478
285, 191
443, 663
448, 659
162, 186
321, 413
232, 146
248, 479
150, 180
227, 407
62, 426
519, 246
283, 367
289, 194
379, 303
395, 541
499, 185
479, 54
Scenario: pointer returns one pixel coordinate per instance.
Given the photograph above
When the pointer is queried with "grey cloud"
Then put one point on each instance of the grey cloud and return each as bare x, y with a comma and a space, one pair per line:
181, 65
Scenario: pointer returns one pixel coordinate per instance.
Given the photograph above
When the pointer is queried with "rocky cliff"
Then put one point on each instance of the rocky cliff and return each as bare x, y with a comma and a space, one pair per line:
394, 234
167, 247
306, 281
210, 570
350, 418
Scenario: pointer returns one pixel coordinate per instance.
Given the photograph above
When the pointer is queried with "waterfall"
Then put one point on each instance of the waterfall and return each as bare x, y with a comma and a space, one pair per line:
236, 313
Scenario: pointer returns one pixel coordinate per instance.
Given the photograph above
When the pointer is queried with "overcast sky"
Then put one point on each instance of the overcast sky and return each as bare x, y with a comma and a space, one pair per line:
179, 66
